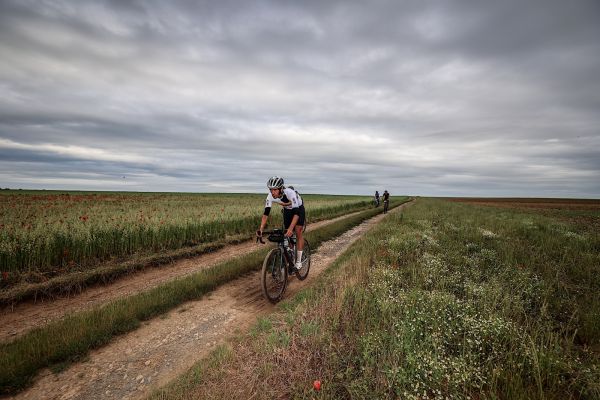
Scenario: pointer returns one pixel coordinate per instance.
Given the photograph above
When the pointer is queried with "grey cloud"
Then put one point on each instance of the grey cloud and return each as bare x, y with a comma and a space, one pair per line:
452, 97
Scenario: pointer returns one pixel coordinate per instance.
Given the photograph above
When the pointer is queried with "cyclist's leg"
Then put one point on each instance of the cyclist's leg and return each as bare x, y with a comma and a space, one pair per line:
288, 215
287, 218
299, 238
299, 228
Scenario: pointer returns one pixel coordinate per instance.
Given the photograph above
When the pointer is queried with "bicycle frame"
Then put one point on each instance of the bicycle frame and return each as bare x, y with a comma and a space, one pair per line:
285, 250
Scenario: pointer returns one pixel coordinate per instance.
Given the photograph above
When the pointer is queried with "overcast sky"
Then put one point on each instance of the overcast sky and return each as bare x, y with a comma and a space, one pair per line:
443, 98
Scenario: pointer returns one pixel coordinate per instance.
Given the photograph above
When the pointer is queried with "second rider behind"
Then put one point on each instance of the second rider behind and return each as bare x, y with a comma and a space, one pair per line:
293, 212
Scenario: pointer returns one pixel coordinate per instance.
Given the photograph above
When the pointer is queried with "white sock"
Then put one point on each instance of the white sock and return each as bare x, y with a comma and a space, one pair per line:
299, 257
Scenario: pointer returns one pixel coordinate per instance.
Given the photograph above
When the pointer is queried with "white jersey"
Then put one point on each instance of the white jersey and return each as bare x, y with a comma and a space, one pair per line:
289, 195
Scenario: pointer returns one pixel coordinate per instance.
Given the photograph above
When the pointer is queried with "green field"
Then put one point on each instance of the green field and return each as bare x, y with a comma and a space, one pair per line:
54, 232
447, 300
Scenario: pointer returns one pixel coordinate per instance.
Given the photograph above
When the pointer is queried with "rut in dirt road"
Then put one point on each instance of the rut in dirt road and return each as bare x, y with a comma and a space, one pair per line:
163, 348
19, 319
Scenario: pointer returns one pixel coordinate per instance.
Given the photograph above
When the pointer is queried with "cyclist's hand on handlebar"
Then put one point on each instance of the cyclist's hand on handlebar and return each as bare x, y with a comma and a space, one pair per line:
289, 233
259, 236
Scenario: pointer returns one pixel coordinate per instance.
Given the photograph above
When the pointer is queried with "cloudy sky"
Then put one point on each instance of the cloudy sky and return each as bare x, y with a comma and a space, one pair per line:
443, 98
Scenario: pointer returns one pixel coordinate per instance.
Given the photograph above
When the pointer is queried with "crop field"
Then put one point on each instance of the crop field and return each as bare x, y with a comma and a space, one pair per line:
582, 213
52, 232
448, 300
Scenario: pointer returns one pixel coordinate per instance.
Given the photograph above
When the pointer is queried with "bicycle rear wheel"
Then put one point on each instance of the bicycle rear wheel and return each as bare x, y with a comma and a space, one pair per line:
273, 278
302, 273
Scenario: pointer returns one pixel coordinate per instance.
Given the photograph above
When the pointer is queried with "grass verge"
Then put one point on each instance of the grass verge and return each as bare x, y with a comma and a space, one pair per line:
443, 301
72, 337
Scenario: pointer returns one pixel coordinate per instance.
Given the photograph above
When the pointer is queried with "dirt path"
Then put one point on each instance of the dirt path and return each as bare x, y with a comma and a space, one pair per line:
163, 348
19, 319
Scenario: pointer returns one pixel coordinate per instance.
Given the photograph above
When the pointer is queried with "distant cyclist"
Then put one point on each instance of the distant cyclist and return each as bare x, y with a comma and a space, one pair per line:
293, 212
386, 201
376, 198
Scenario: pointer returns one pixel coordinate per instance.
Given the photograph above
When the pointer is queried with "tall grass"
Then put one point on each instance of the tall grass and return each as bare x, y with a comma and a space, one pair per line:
60, 231
446, 301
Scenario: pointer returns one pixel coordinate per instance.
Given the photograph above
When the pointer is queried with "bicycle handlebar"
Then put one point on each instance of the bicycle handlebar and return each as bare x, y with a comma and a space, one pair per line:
259, 238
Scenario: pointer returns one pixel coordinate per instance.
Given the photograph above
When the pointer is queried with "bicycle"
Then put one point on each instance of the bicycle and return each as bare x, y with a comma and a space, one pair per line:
279, 263
386, 205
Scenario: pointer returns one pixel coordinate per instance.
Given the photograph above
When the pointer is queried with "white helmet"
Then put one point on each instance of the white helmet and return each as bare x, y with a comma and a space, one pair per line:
275, 182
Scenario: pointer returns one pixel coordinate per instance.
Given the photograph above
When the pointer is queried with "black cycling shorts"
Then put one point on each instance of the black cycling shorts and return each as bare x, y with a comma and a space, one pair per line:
289, 214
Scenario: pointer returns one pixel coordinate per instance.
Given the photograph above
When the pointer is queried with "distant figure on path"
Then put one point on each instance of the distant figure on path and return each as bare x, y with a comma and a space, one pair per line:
376, 198
386, 201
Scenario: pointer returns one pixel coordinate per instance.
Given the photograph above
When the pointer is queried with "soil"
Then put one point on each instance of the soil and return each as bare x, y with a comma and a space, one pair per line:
558, 204
581, 212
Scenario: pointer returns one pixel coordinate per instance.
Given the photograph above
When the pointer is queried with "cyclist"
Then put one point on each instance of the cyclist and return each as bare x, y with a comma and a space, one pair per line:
376, 198
293, 212
386, 201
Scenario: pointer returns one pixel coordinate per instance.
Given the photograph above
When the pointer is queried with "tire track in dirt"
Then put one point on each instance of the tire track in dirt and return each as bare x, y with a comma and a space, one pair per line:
21, 318
165, 347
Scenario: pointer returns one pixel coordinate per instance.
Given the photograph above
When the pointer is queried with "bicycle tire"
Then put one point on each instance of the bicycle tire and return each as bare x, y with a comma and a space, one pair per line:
274, 276
302, 273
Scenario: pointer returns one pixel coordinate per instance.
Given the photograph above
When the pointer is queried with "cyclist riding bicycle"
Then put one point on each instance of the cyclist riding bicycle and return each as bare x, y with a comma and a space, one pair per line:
293, 212
386, 201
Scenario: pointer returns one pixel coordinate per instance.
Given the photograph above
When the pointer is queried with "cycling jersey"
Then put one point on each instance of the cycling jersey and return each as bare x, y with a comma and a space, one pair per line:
289, 196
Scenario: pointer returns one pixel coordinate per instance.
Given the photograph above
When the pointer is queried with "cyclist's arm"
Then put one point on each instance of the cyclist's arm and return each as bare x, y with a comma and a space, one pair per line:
290, 230
265, 216
263, 223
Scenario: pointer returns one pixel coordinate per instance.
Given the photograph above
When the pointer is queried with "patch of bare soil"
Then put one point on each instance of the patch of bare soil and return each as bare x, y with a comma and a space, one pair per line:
134, 364
21, 318
558, 204
582, 212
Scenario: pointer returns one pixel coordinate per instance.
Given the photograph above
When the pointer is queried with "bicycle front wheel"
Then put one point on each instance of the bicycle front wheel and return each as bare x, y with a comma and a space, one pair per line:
273, 278
302, 273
